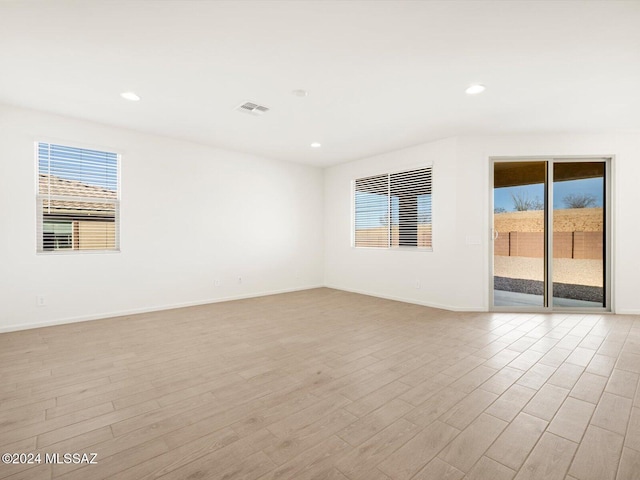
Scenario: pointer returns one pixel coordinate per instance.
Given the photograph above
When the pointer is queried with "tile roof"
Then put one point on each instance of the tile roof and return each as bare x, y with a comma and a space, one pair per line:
56, 186
53, 185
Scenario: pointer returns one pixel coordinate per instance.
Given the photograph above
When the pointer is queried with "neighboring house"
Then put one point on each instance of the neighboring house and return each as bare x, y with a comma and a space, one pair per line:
80, 221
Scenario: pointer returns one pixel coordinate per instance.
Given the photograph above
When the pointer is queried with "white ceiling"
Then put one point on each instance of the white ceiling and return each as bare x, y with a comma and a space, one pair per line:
381, 75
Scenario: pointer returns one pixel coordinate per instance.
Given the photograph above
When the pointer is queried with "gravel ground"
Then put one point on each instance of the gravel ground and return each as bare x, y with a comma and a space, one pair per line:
565, 270
560, 290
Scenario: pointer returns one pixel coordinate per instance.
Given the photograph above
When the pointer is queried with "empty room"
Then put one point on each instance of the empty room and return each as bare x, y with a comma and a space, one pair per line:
319, 240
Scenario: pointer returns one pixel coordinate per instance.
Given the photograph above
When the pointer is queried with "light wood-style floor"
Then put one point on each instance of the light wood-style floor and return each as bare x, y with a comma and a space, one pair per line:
324, 384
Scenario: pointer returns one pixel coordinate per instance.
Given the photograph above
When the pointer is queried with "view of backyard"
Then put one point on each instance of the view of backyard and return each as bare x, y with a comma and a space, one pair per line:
576, 235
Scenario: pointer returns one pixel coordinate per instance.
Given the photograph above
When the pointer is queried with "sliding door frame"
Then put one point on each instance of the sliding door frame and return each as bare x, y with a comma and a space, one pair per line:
548, 237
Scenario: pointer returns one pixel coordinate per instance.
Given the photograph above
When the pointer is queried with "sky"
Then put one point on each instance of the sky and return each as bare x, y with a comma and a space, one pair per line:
593, 186
88, 166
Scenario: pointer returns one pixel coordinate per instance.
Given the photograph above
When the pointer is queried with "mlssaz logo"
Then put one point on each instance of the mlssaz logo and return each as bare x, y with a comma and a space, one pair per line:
71, 458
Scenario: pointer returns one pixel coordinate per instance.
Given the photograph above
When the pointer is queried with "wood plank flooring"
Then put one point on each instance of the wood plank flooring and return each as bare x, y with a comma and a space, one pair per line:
324, 384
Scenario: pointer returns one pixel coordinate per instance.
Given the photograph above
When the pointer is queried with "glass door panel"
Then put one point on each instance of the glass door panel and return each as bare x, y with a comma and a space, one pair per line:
519, 220
578, 234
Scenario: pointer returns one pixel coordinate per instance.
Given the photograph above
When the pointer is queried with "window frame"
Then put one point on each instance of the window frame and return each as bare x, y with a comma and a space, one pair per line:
39, 224
389, 173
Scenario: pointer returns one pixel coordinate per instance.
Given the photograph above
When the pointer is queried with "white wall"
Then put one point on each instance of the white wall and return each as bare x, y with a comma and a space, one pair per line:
455, 275
190, 214
394, 273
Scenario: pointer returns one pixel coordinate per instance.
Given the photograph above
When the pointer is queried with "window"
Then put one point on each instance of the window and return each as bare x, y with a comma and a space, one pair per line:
394, 210
78, 199
57, 235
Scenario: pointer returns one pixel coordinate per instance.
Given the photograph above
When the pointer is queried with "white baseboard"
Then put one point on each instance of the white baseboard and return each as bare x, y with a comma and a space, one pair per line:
410, 300
625, 311
121, 313
100, 316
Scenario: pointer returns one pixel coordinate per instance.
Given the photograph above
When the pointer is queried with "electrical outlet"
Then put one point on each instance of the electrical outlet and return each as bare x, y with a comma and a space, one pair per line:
40, 300
216, 282
239, 280
417, 284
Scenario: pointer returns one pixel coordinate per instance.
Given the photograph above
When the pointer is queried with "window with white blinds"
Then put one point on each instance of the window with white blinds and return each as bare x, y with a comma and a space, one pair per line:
393, 210
78, 199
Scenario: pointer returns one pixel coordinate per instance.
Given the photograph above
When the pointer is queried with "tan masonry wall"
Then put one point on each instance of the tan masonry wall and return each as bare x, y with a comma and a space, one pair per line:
585, 245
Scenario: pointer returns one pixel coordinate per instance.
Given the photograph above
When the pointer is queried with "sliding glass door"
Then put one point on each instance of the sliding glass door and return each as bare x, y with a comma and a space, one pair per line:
520, 189
550, 248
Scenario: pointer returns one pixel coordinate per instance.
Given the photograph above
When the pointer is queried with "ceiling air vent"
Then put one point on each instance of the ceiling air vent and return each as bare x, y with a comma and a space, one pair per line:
252, 108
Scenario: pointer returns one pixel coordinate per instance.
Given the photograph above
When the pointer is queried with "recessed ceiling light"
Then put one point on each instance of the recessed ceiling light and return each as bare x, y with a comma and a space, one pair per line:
474, 89
316, 145
130, 96
300, 93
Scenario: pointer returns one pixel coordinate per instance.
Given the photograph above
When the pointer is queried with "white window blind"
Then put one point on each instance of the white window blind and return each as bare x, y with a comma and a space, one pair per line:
394, 210
78, 199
